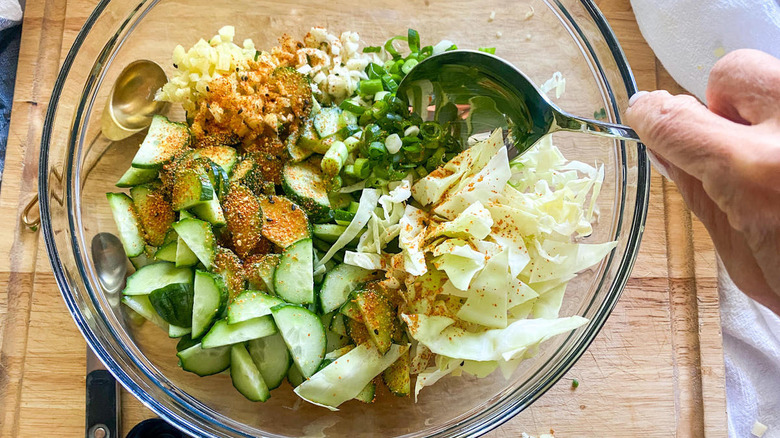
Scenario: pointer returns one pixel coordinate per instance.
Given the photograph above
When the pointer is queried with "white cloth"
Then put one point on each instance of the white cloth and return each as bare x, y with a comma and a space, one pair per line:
688, 37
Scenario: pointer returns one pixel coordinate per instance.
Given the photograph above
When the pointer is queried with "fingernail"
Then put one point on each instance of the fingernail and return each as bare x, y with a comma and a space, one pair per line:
660, 167
636, 97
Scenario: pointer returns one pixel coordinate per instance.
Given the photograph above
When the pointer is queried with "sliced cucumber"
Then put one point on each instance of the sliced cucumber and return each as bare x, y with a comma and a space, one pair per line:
340, 282
249, 305
245, 375
328, 232
173, 303
156, 276
130, 229
141, 305
222, 333
343, 217
308, 139
230, 267
368, 394
174, 331
378, 315
225, 156
249, 173
260, 272
191, 186
337, 324
304, 336
326, 122
164, 140
134, 177
284, 222
154, 211
351, 310
199, 238
306, 184
294, 278
244, 218
294, 376
345, 378
184, 255
357, 331
211, 212
167, 252
397, 376
208, 302
337, 353
186, 342
296, 150
204, 361
142, 260
271, 358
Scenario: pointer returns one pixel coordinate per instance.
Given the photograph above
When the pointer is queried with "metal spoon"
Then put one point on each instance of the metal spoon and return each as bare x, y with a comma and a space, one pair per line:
102, 390
457, 77
129, 110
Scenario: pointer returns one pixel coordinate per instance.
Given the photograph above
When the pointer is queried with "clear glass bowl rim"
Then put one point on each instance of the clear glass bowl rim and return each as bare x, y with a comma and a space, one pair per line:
501, 411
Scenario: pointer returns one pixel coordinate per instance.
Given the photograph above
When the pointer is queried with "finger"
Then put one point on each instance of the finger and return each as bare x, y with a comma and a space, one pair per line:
685, 133
737, 255
744, 86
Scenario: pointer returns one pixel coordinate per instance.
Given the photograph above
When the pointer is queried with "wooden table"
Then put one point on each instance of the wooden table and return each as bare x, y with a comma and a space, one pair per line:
655, 370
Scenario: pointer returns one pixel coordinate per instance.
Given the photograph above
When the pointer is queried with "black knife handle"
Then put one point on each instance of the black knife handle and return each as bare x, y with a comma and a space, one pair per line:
102, 405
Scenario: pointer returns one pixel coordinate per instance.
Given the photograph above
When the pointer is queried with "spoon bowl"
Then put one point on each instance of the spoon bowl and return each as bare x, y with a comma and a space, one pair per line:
463, 80
132, 105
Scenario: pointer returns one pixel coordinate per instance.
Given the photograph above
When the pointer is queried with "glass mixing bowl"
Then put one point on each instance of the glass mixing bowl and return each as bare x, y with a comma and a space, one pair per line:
78, 166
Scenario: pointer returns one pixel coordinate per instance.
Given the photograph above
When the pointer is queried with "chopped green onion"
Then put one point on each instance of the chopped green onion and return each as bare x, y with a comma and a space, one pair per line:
377, 150
371, 86
390, 47
375, 71
379, 109
413, 39
431, 131
393, 143
575, 383
435, 160
408, 66
335, 158
421, 172
351, 143
361, 169
352, 107
390, 83
491, 50
372, 49
336, 183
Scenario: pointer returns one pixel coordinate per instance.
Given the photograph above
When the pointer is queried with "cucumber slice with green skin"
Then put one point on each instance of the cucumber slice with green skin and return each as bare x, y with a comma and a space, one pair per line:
209, 300
343, 217
133, 177
340, 282
167, 252
249, 305
244, 218
204, 361
185, 257
163, 141
347, 376
351, 310
284, 222
306, 184
245, 375
294, 276
357, 331
230, 267
337, 353
368, 394
298, 152
340, 200
127, 222
335, 341
186, 342
173, 303
378, 315
397, 376
337, 324
142, 260
225, 156
260, 272
174, 331
222, 333
326, 122
154, 211
211, 212
330, 233
271, 357
156, 276
191, 186
304, 336
199, 238
142, 306
295, 377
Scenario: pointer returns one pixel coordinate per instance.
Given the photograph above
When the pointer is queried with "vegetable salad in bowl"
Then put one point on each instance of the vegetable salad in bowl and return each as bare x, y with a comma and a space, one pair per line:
303, 225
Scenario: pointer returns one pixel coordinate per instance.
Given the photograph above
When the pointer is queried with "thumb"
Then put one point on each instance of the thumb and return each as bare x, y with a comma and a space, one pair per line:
684, 132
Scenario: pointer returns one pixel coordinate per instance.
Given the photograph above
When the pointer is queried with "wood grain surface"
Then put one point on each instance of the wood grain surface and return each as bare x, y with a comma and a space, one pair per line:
655, 370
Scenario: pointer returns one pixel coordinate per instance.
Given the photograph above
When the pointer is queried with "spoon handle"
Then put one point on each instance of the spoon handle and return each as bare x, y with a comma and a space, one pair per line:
568, 122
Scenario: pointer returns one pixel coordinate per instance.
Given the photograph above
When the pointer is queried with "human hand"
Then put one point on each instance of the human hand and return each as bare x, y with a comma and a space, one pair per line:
725, 160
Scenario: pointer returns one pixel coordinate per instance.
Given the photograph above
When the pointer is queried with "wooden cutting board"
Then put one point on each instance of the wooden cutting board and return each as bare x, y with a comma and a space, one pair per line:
655, 370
